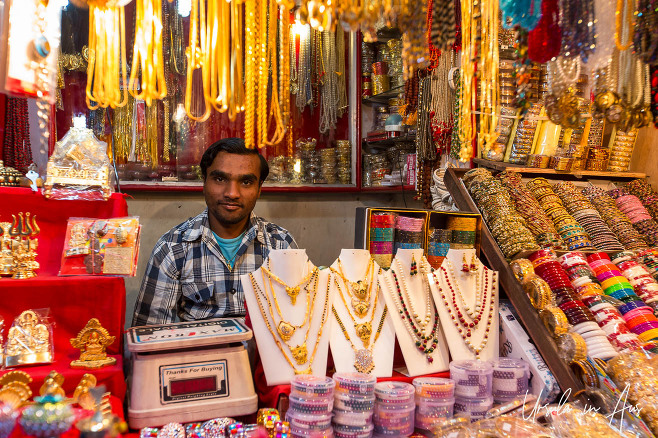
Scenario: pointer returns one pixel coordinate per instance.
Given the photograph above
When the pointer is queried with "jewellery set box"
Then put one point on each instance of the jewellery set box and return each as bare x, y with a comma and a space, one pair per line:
101, 246
383, 231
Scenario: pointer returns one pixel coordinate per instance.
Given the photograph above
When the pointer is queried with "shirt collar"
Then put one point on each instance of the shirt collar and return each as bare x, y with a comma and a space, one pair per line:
199, 226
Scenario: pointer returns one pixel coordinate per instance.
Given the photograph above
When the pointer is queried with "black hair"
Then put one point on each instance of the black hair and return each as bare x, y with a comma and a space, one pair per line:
232, 145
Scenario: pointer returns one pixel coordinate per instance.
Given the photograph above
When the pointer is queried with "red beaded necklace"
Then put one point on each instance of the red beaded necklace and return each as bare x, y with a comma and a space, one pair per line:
17, 151
426, 343
457, 317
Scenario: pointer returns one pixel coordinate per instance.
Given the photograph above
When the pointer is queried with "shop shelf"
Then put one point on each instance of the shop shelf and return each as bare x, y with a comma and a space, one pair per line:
572, 174
382, 98
527, 313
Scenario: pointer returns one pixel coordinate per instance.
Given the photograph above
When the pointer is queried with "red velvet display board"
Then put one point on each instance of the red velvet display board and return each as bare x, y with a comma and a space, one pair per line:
52, 216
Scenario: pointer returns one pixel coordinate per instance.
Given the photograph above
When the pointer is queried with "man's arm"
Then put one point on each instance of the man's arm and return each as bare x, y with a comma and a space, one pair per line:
161, 289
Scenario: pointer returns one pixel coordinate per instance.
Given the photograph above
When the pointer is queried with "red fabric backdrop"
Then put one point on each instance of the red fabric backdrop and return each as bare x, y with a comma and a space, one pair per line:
71, 301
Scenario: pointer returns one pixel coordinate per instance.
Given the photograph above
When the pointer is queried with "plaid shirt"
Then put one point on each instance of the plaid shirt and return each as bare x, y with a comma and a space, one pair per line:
189, 276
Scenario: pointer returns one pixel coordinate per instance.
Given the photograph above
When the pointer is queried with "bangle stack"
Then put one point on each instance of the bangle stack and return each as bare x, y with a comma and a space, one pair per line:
644, 285
382, 234
498, 210
579, 316
539, 224
638, 316
616, 220
649, 259
587, 216
631, 206
649, 198
573, 235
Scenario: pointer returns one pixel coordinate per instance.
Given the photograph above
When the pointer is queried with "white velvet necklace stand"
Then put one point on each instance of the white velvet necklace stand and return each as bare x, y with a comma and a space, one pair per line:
291, 266
354, 263
467, 285
416, 361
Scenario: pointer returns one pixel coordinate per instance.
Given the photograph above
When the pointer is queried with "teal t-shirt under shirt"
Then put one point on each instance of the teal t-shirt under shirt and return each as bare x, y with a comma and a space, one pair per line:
229, 247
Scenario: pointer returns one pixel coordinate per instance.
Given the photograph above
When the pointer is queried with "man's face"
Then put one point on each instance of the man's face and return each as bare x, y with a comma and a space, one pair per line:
231, 188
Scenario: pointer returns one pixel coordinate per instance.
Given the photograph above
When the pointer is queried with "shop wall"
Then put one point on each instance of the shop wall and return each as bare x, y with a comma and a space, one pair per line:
322, 223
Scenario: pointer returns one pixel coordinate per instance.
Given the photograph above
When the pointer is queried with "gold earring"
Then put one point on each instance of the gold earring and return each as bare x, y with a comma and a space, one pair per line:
464, 264
474, 266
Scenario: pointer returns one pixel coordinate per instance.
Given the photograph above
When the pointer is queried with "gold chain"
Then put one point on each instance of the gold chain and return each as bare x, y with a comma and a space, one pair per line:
309, 302
308, 370
357, 288
292, 291
488, 66
147, 53
195, 59
251, 65
106, 70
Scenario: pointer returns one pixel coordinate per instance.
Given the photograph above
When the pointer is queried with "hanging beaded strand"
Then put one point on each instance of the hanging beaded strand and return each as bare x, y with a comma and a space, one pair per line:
16, 150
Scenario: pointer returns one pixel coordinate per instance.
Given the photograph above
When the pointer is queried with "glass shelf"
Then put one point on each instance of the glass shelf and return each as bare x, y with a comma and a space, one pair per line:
382, 98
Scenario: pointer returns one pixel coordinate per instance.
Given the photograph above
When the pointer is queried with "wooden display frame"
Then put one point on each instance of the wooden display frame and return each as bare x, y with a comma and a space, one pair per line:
432, 219
527, 313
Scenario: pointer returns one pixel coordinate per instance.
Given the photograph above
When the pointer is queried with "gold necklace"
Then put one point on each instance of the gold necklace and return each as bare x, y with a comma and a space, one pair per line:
302, 348
250, 69
195, 59
363, 361
292, 291
287, 330
106, 70
360, 290
147, 53
364, 329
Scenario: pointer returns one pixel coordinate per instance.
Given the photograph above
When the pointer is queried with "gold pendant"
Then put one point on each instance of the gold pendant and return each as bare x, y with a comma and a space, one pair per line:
364, 331
300, 354
306, 371
363, 361
285, 330
360, 307
292, 293
360, 289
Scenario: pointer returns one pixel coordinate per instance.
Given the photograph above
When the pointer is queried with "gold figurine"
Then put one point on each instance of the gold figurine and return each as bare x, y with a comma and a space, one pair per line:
28, 341
18, 244
52, 385
15, 389
82, 394
92, 341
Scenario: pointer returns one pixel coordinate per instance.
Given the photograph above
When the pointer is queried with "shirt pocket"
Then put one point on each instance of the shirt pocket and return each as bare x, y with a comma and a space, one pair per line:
198, 292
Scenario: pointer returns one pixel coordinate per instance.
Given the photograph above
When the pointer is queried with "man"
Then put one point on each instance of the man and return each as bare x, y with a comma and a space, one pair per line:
194, 270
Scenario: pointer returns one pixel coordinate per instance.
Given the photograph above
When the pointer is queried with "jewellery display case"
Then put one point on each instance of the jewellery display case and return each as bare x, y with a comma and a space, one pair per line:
158, 147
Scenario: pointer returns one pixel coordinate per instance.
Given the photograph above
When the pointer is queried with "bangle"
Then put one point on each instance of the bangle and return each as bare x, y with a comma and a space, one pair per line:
172, 430
555, 321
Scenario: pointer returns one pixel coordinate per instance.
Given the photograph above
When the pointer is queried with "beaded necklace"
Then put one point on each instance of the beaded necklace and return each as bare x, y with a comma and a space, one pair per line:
426, 341
463, 326
578, 28
476, 313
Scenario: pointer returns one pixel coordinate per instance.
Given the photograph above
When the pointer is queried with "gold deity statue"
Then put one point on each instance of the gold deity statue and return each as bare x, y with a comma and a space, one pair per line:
92, 341
28, 341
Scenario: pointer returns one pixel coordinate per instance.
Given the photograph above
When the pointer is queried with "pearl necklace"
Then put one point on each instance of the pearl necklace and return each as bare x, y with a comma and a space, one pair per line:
428, 303
450, 273
465, 328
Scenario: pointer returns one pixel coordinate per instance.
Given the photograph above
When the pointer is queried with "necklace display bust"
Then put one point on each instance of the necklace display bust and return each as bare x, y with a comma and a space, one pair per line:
293, 338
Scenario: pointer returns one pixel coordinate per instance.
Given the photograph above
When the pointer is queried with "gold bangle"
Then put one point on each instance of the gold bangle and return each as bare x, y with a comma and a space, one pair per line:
555, 321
